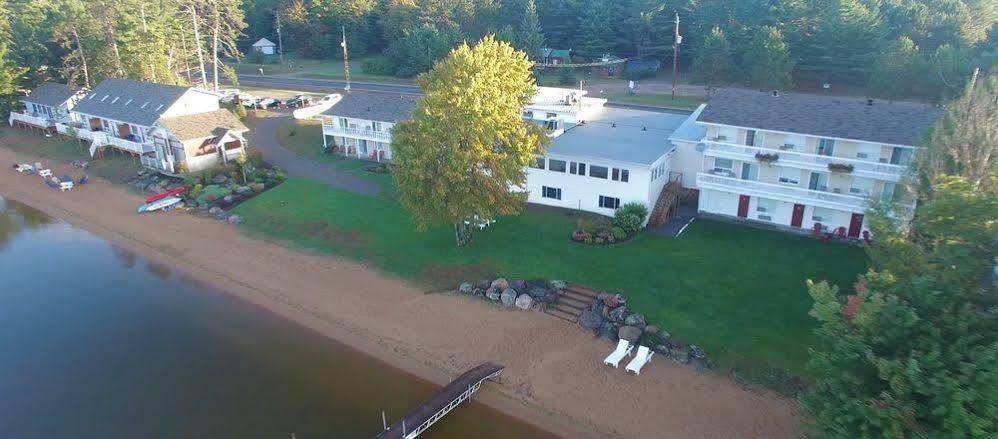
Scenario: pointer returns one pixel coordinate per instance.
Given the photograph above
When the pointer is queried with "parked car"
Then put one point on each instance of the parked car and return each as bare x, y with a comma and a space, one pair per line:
267, 103
298, 101
248, 100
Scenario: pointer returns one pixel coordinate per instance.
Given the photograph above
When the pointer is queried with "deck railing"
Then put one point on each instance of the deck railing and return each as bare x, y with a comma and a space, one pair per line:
43, 122
782, 192
336, 130
866, 168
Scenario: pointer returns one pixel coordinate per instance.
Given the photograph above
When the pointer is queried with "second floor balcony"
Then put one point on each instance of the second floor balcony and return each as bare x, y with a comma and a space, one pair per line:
815, 162
361, 133
780, 192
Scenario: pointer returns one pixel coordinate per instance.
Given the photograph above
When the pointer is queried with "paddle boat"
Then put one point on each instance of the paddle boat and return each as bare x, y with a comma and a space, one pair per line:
160, 204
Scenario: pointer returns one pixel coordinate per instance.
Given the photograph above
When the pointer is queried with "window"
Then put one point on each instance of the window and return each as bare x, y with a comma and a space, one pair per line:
620, 175
376, 126
343, 123
577, 168
552, 115
609, 202
539, 163
901, 156
822, 214
750, 172
861, 186
556, 165
551, 192
750, 137
826, 146
765, 205
789, 176
723, 166
818, 182
598, 171
887, 194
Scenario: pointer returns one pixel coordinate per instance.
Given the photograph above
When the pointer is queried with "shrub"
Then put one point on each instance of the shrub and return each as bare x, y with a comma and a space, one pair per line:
618, 234
593, 223
240, 111
637, 209
580, 235
629, 222
378, 66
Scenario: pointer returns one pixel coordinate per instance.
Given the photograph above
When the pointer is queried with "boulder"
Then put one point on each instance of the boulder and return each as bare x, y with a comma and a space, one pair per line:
538, 292
608, 331
493, 294
228, 199
500, 283
519, 285
651, 329
466, 288
524, 301
629, 333
558, 285
618, 314
508, 296
234, 219
242, 190
258, 187
484, 284
635, 320
590, 320
219, 179
215, 211
478, 292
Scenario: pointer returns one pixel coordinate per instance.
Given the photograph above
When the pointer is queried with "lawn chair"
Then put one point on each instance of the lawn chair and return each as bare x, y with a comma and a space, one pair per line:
66, 186
44, 173
640, 360
83, 179
623, 349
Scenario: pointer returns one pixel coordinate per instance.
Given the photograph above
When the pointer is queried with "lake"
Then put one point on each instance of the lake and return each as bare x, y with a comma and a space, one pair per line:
97, 342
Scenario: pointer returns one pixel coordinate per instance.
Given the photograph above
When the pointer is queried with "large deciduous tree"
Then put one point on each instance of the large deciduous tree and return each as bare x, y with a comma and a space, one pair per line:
461, 157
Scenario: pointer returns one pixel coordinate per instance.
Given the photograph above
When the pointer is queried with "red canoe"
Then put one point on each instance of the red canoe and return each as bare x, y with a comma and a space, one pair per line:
169, 193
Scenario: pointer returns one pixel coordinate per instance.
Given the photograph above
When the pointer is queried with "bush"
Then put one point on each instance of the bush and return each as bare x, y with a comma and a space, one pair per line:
637, 209
580, 236
240, 111
635, 74
378, 66
629, 222
618, 233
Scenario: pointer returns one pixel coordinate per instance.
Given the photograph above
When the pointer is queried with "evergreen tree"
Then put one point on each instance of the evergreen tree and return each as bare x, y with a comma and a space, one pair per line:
529, 36
10, 73
898, 72
596, 29
767, 61
713, 63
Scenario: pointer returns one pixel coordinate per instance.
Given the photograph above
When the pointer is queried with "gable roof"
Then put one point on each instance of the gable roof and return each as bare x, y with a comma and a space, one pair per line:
897, 123
381, 107
51, 94
263, 42
130, 101
201, 125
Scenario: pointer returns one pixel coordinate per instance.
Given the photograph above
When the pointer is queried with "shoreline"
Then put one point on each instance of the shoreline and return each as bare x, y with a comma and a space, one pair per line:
553, 380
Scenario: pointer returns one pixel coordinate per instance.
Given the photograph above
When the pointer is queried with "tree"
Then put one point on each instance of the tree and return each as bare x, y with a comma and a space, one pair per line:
899, 72
10, 73
767, 60
529, 36
466, 146
964, 141
419, 48
712, 63
596, 29
912, 351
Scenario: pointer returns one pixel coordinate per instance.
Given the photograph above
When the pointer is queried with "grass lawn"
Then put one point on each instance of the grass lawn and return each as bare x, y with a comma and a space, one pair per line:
737, 291
114, 166
655, 99
314, 68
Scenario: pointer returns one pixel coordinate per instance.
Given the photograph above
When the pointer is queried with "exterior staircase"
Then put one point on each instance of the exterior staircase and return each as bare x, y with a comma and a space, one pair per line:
668, 200
573, 300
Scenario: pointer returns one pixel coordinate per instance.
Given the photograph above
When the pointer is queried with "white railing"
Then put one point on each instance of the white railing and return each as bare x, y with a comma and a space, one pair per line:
43, 122
781, 192
335, 130
128, 145
865, 168
464, 396
157, 164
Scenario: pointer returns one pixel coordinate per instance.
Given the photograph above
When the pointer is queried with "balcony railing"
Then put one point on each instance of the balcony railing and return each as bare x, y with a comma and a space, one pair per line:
335, 130
863, 168
38, 121
781, 192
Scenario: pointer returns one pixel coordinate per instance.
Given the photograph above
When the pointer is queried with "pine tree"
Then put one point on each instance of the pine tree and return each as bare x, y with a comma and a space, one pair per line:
713, 62
529, 36
767, 61
898, 72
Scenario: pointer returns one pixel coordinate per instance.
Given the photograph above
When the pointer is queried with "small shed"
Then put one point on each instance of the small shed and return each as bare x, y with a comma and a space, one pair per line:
265, 46
556, 56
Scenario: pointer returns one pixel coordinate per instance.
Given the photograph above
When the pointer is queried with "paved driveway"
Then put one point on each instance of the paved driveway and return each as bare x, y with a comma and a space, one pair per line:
264, 137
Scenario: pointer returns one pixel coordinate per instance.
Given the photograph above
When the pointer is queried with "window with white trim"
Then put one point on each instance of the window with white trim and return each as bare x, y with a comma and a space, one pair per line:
556, 165
723, 166
599, 171
861, 186
538, 164
826, 146
609, 202
620, 174
789, 176
577, 168
551, 192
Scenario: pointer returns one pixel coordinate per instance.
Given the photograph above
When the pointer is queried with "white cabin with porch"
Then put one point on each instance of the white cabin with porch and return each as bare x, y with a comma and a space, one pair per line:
46, 105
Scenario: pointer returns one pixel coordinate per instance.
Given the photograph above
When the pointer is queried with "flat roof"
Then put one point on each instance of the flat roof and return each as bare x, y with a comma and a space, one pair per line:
620, 134
690, 130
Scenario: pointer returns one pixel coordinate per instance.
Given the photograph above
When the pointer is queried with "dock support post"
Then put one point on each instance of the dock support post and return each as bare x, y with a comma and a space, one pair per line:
384, 422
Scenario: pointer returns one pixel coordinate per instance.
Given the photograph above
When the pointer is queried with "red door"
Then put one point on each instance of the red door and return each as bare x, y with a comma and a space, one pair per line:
743, 201
798, 218
855, 225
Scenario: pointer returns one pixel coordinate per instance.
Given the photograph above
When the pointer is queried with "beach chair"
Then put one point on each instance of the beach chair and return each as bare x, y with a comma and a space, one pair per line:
84, 179
44, 173
640, 360
624, 348
66, 186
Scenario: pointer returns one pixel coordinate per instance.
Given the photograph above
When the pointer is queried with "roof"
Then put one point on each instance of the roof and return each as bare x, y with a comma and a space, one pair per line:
690, 130
196, 126
51, 94
380, 107
620, 134
130, 101
635, 64
555, 53
263, 42
898, 123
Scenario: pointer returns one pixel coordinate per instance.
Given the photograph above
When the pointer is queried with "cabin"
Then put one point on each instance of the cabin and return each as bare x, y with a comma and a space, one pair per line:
46, 105
265, 46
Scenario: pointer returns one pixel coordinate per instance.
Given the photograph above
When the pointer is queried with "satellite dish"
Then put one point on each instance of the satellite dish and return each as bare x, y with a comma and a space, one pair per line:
700, 147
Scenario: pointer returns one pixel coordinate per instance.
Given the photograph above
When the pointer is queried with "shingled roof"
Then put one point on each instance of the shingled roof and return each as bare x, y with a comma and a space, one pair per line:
201, 125
380, 107
126, 100
898, 123
51, 94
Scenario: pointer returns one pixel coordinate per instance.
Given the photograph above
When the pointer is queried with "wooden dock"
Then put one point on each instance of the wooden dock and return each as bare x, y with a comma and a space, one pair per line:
443, 402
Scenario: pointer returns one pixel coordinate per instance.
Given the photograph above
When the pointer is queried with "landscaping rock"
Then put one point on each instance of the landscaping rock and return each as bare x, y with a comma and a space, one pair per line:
629, 333
219, 179
651, 329
590, 320
466, 288
242, 190
608, 331
538, 292
524, 301
258, 187
478, 292
493, 294
520, 286
215, 211
500, 283
484, 284
635, 320
558, 284
234, 219
508, 296
618, 314
228, 199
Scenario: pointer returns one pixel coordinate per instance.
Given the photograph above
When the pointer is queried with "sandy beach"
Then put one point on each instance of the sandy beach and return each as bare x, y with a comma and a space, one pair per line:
554, 376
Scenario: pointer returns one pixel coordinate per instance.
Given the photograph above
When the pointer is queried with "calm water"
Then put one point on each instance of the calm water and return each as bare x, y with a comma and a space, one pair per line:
96, 342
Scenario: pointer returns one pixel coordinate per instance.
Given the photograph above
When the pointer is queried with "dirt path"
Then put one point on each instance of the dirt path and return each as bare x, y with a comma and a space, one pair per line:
554, 377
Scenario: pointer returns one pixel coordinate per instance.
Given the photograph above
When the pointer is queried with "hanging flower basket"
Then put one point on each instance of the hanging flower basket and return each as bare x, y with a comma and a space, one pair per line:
767, 158
840, 167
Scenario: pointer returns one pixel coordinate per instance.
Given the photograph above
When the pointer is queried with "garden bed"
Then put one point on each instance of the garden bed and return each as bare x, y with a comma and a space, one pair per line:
626, 223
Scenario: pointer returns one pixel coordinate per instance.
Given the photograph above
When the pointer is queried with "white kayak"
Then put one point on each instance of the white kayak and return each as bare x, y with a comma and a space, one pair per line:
159, 204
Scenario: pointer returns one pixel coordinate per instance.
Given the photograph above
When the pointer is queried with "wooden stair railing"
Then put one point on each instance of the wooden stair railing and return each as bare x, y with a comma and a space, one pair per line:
668, 201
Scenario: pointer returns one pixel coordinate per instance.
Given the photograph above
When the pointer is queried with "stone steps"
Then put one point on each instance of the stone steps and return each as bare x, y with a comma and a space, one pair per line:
572, 302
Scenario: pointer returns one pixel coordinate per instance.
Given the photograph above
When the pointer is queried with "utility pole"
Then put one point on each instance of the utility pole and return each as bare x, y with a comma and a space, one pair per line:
346, 59
280, 41
677, 40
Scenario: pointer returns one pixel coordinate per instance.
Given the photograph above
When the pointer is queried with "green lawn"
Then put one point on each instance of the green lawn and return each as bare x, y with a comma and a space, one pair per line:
737, 291
57, 153
314, 68
655, 99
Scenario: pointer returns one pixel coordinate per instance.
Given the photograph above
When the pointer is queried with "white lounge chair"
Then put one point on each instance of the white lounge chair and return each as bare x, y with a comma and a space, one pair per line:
624, 348
24, 167
44, 173
640, 360
66, 185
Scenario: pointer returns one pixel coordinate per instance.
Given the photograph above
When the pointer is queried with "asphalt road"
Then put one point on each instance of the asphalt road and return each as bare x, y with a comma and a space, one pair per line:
335, 85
